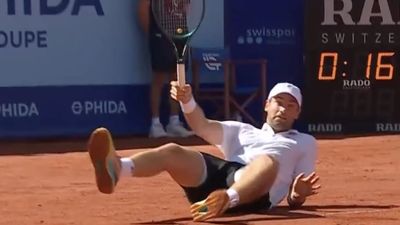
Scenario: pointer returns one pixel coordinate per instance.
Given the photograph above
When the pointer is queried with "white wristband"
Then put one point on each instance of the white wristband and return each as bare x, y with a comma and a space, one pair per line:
189, 106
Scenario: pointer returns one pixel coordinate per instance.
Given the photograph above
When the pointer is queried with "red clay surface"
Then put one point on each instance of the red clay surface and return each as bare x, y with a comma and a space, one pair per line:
360, 178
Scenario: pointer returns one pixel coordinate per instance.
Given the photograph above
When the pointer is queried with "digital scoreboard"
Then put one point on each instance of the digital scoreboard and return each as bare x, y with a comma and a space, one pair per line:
352, 66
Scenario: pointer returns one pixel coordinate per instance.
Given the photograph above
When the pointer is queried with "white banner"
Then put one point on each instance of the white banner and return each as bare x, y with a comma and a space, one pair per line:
82, 42
70, 42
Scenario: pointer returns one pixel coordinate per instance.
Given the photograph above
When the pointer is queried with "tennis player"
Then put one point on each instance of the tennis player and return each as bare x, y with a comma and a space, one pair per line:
260, 166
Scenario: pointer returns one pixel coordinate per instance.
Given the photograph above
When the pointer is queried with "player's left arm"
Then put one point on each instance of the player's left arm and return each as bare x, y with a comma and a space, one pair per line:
305, 182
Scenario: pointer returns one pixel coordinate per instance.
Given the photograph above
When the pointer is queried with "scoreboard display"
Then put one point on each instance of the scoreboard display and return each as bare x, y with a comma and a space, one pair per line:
352, 66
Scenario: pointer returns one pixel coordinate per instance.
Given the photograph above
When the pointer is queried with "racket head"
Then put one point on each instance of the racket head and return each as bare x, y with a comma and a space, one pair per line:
178, 19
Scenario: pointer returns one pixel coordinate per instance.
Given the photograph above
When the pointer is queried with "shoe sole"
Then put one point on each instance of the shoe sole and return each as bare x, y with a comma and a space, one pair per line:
100, 147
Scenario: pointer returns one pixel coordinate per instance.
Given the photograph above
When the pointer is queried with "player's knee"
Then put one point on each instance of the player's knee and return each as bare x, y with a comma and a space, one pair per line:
170, 150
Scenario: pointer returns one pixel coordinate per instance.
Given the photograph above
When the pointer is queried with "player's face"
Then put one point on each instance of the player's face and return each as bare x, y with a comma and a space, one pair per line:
282, 110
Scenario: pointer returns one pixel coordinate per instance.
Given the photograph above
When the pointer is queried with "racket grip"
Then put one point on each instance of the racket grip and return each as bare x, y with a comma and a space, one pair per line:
180, 72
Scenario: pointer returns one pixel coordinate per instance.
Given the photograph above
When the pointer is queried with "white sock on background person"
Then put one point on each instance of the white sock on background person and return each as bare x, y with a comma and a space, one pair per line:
155, 121
174, 119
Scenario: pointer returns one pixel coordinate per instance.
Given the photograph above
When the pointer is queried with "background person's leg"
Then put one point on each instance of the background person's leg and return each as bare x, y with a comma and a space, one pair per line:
157, 84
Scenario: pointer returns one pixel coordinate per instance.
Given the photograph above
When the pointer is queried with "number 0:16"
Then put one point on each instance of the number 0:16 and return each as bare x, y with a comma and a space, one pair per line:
379, 71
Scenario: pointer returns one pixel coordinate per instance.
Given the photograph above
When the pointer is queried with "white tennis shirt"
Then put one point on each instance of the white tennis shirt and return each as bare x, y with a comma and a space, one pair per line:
295, 152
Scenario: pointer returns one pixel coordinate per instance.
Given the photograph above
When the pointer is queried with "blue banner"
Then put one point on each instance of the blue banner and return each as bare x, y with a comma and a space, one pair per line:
267, 29
73, 110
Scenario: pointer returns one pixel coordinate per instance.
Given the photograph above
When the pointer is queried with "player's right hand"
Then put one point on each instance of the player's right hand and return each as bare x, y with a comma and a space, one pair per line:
181, 94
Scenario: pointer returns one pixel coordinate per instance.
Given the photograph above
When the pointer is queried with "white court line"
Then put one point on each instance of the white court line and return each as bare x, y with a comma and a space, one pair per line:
357, 211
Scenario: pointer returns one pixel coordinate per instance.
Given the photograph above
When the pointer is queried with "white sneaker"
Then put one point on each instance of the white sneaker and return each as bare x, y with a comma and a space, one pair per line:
157, 131
177, 130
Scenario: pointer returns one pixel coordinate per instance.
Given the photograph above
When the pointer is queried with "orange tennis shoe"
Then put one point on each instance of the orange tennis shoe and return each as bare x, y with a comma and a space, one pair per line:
213, 206
106, 162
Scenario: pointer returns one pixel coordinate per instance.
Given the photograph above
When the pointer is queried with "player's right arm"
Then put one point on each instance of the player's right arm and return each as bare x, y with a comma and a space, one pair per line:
210, 130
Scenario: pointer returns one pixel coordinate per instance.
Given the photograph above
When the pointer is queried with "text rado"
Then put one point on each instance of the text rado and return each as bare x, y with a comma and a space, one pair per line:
356, 84
325, 127
382, 12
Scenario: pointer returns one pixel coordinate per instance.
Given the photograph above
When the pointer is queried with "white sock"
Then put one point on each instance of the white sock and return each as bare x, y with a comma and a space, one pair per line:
155, 121
233, 197
127, 167
174, 119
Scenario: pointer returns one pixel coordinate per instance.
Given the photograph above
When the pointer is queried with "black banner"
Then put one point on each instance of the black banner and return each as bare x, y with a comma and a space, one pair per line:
352, 60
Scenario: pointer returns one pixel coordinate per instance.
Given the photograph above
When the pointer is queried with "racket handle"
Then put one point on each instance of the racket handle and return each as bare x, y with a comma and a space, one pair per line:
180, 72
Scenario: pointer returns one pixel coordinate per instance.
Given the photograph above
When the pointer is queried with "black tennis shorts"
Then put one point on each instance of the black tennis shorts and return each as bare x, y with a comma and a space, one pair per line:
220, 175
163, 58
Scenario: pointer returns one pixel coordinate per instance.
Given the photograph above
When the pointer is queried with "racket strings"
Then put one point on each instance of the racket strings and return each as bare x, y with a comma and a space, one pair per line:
173, 16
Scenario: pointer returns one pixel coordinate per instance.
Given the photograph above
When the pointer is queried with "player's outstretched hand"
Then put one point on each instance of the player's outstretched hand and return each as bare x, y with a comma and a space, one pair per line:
181, 94
305, 186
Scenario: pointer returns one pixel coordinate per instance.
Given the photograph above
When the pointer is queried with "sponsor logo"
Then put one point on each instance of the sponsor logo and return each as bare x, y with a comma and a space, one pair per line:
343, 9
43, 7
356, 84
98, 107
388, 127
31, 38
362, 38
361, 13
211, 61
23, 39
264, 35
325, 127
16, 110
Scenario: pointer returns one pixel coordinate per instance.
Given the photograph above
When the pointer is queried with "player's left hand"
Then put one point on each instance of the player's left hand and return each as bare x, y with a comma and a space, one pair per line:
305, 186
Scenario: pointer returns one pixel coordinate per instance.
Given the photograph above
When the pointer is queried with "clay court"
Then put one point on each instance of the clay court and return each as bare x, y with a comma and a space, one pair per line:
52, 182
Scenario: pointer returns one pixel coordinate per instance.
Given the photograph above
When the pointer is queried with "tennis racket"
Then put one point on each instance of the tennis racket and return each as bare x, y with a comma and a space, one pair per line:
179, 20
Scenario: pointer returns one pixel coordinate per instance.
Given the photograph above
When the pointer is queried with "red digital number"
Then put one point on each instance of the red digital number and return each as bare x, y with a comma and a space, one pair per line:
321, 72
380, 67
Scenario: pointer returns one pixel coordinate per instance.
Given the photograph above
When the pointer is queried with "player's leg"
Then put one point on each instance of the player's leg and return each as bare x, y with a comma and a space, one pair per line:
185, 166
250, 190
256, 179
